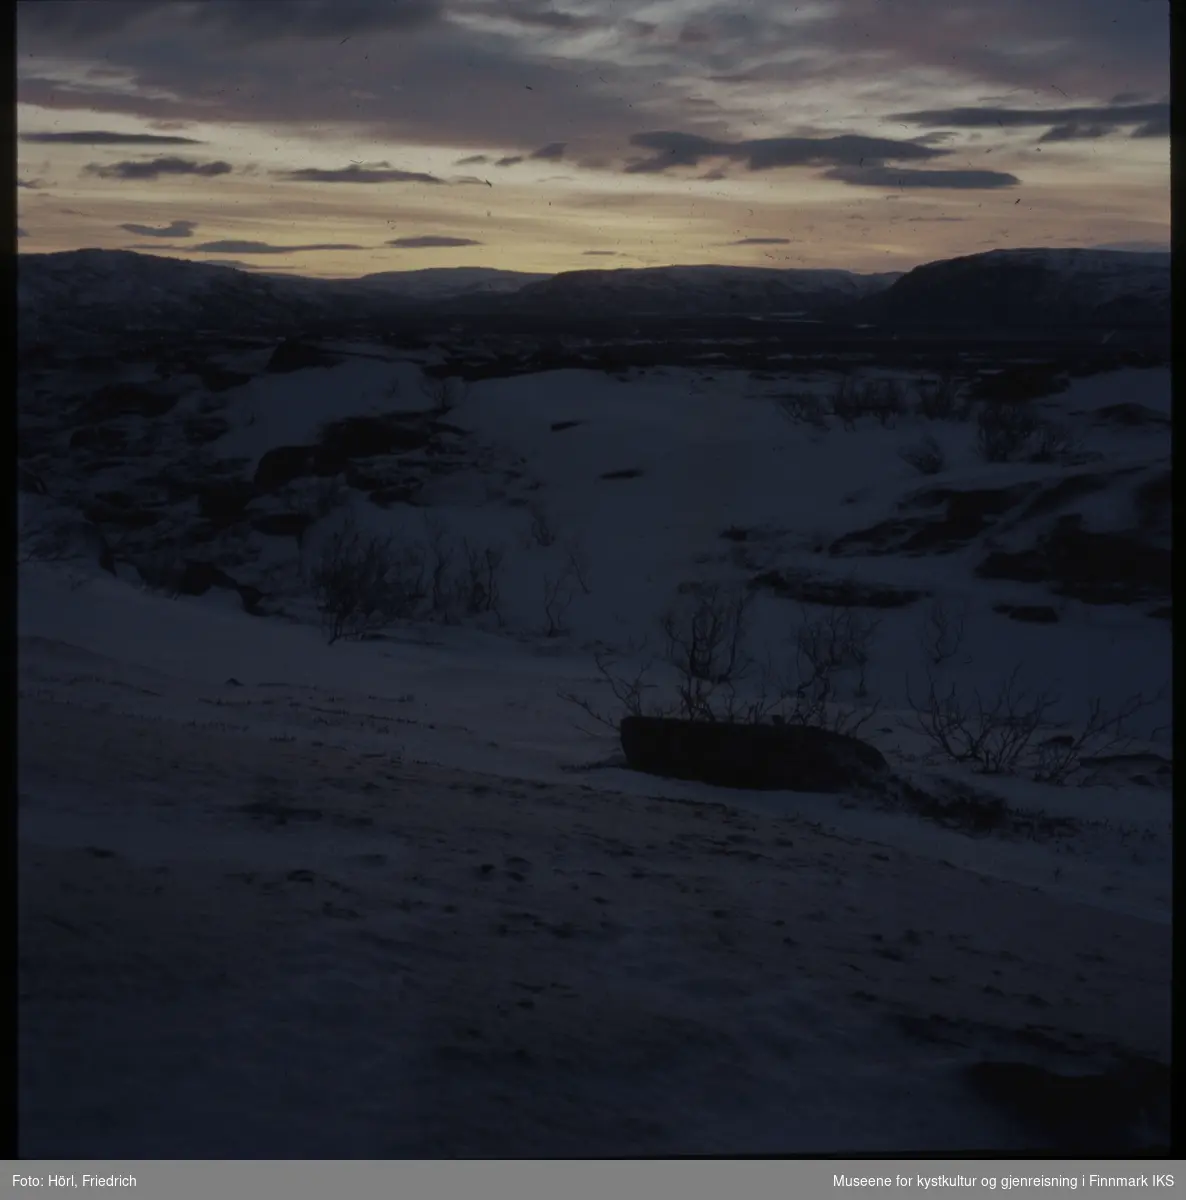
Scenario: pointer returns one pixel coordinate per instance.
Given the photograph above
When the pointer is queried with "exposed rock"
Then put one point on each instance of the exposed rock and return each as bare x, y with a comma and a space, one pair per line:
761, 757
1037, 614
222, 504
1097, 568
294, 355
220, 379
282, 524
1090, 1114
128, 400
966, 514
1130, 415
282, 464
842, 592
367, 437
99, 437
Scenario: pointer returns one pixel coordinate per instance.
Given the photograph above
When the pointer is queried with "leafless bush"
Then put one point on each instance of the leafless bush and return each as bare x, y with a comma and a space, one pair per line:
577, 559
939, 399
559, 594
362, 582
1004, 430
626, 690
483, 579
443, 392
1052, 441
542, 532
993, 735
705, 633
851, 399
885, 400
943, 632
925, 456
1061, 757
844, 402
1010, 732
439, 557
802, 408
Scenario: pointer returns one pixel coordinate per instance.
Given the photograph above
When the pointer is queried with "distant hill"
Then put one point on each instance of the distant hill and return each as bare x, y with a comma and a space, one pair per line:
685, 290
1029, 289
94, 292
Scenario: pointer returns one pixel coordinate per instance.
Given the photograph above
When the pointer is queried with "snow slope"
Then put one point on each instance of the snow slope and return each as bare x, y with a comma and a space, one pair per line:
1031, 289
396, 897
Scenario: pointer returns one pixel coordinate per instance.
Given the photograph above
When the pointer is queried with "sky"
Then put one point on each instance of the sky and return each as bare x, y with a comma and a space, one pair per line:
335, 138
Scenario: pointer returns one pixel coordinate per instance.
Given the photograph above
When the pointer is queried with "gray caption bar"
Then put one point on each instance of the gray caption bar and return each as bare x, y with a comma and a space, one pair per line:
703, 1179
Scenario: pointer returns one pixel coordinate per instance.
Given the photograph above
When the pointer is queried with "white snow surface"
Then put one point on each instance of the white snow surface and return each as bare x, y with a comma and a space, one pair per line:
280, 898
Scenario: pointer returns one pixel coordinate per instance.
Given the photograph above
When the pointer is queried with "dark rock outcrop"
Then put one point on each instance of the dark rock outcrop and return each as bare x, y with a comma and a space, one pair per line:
1105, 1113
1095, 567
842, 592
292, 355
760, 757
1035, 614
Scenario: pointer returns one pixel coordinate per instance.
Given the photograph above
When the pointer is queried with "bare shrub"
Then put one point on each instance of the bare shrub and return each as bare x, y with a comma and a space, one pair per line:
439, 557
443, 392
483, 578
704, 634
940, 399
1061, 757
716, 678
993, 735
925, 456
885, 400
577, 559
943, 632
844, 402
542, 531
802, 408
361, 582
559, 594
1004, 430
1053, 441
851, 399
1010, 731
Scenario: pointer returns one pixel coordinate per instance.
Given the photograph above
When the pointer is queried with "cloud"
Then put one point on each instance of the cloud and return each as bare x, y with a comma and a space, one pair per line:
673, 148
81, 24
104, 137
761, 241
510, 160
472, 160
182, 229
154, 168
355, 174
237, 247
551, 152
893, 177
429, 241
1065, 124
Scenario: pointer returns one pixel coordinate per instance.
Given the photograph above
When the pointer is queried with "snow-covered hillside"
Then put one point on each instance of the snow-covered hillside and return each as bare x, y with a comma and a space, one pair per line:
400, 895
699, 289
445, 283
1032, 289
